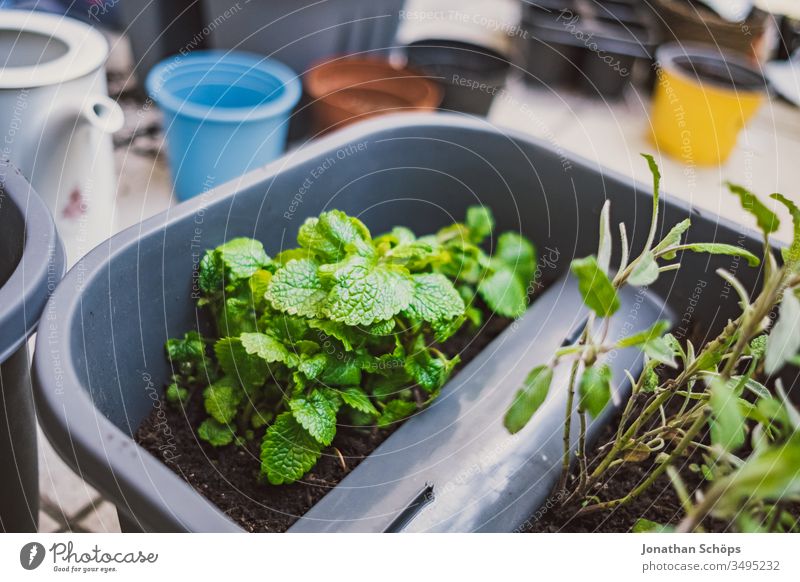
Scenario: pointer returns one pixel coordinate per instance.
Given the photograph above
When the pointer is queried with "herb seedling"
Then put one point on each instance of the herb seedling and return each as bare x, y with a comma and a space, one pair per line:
344, 328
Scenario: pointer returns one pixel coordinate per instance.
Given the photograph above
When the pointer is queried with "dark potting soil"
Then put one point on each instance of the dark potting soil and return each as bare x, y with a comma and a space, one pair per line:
659, 503
229, 476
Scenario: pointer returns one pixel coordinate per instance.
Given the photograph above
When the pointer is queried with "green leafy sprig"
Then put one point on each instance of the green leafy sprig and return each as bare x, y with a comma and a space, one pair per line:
345, 328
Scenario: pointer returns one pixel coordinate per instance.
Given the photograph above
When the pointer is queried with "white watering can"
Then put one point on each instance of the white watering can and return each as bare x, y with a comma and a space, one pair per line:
56, 119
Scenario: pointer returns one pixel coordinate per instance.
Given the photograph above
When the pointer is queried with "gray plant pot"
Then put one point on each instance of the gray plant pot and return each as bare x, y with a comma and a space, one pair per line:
31, 264
450, 468
300, 33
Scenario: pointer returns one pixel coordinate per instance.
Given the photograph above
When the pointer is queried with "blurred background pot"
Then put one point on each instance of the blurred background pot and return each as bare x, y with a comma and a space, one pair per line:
471, 75
57, 117
302, 32
347, 90
599, 47
688, 21
702, 101
31, 264
224, 114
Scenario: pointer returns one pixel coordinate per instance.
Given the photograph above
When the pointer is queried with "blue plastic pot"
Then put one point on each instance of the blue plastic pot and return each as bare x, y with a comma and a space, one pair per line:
225, 113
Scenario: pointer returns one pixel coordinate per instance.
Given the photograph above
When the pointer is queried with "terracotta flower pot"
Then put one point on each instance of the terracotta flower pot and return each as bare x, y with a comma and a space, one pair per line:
351, 89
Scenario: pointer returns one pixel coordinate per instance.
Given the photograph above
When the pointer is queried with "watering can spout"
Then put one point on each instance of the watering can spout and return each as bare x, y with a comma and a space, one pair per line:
103, 113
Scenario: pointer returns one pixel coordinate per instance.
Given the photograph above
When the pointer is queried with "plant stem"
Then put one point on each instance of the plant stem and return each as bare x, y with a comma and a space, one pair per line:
568, 426
619, 443
651, 478
582, 452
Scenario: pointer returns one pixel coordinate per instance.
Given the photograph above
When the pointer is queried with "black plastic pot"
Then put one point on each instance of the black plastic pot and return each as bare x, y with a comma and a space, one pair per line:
595, 46
301, 33
31, 264
452, 467
472, 75
157, 30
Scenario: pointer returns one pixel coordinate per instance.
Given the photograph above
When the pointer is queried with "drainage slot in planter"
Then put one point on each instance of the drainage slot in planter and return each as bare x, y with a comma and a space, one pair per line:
420, 501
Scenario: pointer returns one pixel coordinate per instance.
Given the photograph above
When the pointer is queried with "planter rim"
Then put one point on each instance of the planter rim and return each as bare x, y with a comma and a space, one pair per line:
75, 427
209, 63
667, 55
24, 295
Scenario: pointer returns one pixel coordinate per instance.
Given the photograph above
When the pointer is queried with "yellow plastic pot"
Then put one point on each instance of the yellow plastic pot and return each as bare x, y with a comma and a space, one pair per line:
701, 102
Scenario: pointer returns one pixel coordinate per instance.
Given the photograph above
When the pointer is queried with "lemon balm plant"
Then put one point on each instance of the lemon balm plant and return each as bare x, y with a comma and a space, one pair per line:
710, 402
345, 328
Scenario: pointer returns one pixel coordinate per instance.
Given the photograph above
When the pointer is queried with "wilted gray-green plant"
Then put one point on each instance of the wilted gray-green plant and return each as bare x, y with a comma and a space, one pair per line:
717, 384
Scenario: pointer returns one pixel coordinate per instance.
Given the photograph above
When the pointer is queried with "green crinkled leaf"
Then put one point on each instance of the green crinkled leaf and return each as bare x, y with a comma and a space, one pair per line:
210, 273
334, 235
656, 330
645, 272
651, 381
215, 433
259, 283
222, 399
595, 389
345, 372
434, 299
286, 255
348, 336
242, 257
504, 293
758, 346
267, 348
784, 339
313, 366
395, 411
416, 253
529, 398
237, 316
363, 294
317, 414
288, 451
443, 330
382, 328
297, 289
234, 360
305, 347
358, 399
480, 223
727, 422
176, 394
518, 254
595, 287
428, 370
767, 220
722, 249
190, 349
398, 236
